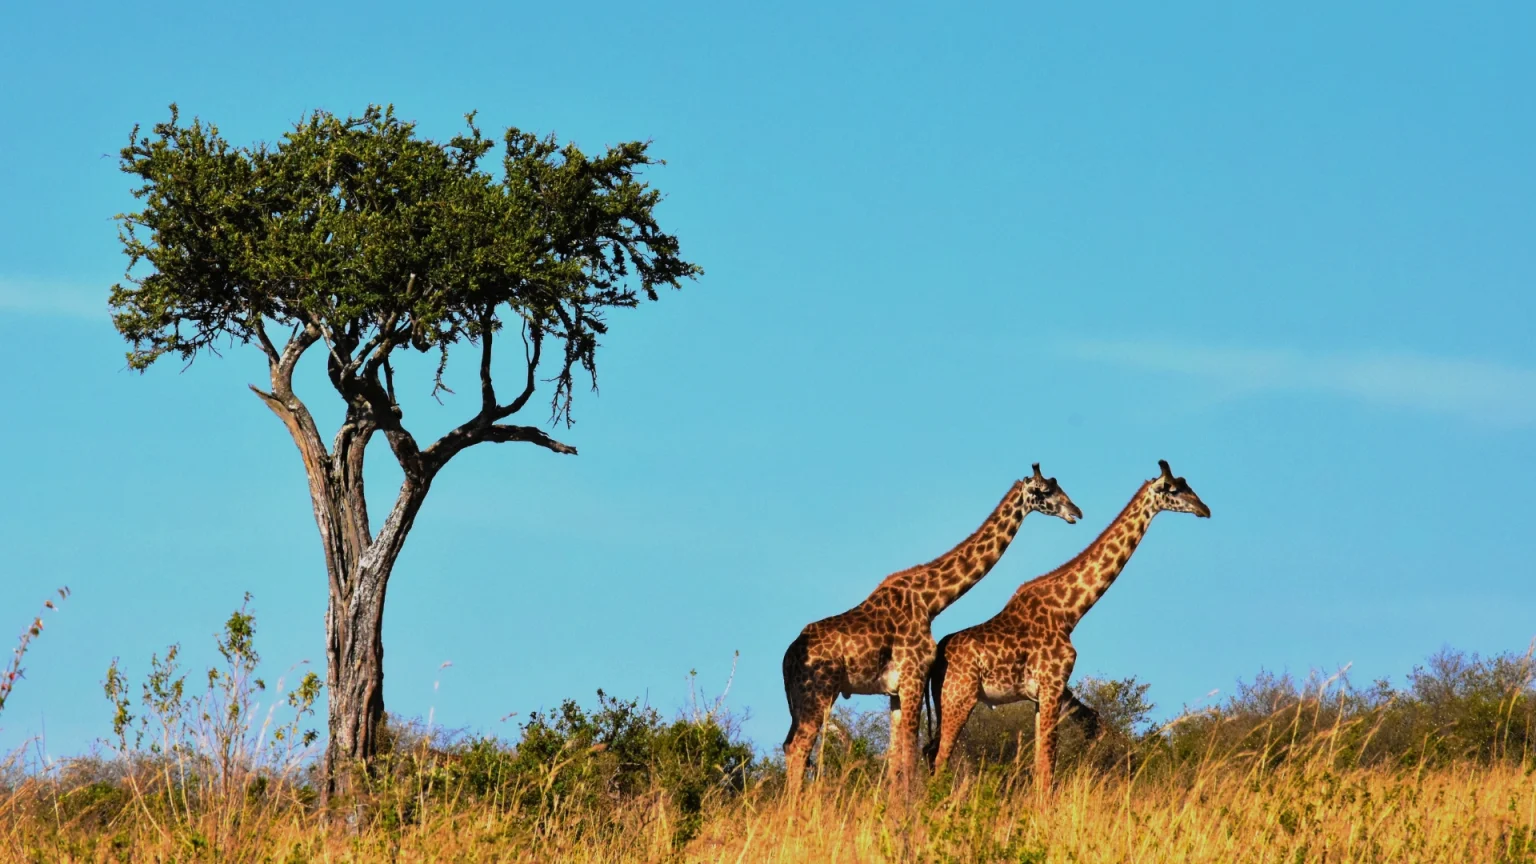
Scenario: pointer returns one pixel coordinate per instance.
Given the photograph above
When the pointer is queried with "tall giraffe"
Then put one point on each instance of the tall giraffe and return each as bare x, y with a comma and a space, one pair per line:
883, 645
1025, 651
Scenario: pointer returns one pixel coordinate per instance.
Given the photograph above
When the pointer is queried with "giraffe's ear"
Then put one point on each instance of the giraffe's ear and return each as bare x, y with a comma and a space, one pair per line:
1037, 470
1163, 464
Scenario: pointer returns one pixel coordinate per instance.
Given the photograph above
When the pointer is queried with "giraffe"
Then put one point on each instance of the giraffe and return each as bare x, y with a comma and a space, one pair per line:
1025, 651
883, 645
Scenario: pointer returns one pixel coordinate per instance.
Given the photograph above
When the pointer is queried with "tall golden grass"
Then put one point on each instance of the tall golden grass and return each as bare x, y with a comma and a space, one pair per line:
1442, 772
1226, 810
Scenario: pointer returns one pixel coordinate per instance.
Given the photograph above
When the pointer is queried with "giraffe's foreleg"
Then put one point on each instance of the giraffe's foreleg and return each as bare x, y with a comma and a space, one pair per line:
904, 722
1052, 686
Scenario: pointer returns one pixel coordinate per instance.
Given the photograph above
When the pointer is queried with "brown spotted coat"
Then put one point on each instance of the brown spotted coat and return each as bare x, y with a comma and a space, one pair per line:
1025, 652
884, 645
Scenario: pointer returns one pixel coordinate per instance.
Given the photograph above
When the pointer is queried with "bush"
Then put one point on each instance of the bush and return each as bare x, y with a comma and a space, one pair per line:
570, 760
1455, 707
1005, 735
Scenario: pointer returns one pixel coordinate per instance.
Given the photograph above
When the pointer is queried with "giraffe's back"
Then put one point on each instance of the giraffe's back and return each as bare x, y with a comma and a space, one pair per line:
867, 645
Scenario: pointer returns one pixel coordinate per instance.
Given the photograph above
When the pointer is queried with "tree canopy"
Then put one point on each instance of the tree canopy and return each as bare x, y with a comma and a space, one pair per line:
360, 234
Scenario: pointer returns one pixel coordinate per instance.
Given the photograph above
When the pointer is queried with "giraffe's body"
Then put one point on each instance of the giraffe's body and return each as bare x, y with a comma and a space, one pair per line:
884, 644
1025, 652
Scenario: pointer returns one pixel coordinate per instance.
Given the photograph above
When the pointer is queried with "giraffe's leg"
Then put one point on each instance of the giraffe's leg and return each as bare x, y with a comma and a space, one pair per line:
956, 701
810, 686
1071, 706
810, 711
904, 728
893, 750
1052, 687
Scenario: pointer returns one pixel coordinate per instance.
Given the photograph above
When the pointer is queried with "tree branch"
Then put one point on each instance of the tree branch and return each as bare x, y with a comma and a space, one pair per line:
531, 358
501, 433
338, 536
274, 357
487, 386
476, 431
281, 364
377, 350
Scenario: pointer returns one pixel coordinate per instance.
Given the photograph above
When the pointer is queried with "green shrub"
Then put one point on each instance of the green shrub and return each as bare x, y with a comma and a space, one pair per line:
570, 759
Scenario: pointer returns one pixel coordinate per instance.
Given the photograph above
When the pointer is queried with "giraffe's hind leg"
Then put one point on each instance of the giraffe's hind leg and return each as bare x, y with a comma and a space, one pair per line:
810, 688
957, 698
804, 727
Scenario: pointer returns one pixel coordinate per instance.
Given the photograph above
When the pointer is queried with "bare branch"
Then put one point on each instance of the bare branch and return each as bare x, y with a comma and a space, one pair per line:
502, 433
342, 362
531, 358
273, 356
385, 415
282, 369
487, 386
478, 430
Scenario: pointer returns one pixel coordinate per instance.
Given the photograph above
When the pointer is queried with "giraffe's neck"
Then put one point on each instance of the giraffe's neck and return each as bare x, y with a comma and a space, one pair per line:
1074, 588
952, 574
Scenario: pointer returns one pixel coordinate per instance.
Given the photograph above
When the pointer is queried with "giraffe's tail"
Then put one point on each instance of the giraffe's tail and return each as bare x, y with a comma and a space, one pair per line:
933, 694
795, 660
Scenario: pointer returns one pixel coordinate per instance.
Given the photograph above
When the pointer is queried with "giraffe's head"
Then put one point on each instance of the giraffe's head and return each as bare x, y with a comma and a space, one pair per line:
1043, 495
1173, 493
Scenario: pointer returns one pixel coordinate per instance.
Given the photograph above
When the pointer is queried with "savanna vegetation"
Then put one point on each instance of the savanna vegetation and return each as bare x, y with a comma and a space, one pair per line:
356, 241
220, 765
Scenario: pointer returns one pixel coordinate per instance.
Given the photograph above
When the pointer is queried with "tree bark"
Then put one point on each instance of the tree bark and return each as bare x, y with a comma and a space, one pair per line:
354, 649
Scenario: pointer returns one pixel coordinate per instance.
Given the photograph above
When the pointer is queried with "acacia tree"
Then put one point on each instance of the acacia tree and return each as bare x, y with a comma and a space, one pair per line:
356, 239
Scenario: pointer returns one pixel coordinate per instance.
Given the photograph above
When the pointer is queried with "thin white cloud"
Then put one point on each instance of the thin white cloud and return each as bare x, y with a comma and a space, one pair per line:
51, 298
1474, 389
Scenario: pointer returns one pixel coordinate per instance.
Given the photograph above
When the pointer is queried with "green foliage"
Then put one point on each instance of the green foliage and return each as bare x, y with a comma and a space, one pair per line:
1455, 707
213, 741
95, 799
572, 759
375, 238
854, 746
963, 828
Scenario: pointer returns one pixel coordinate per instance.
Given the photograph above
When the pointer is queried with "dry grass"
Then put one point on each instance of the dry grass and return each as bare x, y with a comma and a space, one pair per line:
1218, 813
1442, 771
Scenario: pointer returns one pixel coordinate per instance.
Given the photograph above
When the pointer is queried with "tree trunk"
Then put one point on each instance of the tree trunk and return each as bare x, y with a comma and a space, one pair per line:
358, 564
354, 647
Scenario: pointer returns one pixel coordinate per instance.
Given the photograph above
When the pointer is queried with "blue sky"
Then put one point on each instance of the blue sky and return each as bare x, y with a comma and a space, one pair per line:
1288, 250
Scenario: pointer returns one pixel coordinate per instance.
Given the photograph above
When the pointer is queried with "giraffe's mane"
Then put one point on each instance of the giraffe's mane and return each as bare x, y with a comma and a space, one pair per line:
991, 517
1091, 552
